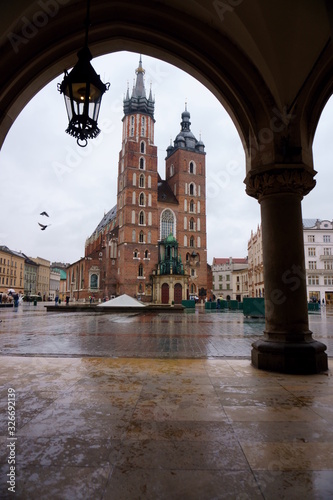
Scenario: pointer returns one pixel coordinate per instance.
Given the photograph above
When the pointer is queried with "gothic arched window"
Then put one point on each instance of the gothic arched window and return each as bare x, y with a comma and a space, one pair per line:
140, 270
142, 147
167, 224
142, 163
142, 200
94, 281
192, 167
142, 181
141, 218
141, 237
192, 241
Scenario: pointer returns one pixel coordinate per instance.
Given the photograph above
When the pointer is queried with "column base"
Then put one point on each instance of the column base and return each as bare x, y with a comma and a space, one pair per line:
287, 357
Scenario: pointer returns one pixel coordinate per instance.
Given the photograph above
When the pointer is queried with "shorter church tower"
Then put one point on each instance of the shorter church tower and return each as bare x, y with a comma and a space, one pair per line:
186, 176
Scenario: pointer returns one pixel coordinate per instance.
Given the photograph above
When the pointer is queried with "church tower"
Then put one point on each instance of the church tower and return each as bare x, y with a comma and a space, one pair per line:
137, 212
186, 176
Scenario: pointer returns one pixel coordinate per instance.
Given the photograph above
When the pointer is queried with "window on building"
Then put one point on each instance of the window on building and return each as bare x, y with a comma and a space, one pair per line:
311, 238
140, 270
94, 281
142, 181
328, 280
146, 254
141, 218
191, 189
328, 264
220, 277
132, 126
192, 224
142, 200
192, 206
142, 147
192, 241
327, 251
313, 280
228, 277
141, 237
142, 163
192, 167
220, 287
167, 224
327, 238
312, 264
143, 125
135, 254
311, 251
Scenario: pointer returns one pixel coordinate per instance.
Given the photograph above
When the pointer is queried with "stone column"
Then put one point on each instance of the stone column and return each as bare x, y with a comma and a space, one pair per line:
287, 345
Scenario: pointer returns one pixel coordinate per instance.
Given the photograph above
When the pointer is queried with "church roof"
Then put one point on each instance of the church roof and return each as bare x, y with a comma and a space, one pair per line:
165, 193
138, 102
108, 217
186, 139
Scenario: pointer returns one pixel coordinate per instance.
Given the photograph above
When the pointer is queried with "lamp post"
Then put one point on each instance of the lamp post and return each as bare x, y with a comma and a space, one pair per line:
83, 91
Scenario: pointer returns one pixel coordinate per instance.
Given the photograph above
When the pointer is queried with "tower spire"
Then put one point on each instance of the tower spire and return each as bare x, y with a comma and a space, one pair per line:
138, 101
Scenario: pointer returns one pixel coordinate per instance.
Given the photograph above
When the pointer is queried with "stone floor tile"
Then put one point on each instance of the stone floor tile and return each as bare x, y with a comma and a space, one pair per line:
148, 484
277, 485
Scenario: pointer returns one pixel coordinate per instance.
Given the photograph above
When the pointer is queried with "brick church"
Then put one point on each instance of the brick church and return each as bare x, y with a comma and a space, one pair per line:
152, 244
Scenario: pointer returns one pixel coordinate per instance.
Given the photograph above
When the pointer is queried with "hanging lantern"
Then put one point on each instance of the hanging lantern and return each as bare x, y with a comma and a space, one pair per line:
83, 91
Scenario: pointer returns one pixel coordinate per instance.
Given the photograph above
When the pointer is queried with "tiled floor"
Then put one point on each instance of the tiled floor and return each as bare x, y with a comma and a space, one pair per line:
134, 428
164, 406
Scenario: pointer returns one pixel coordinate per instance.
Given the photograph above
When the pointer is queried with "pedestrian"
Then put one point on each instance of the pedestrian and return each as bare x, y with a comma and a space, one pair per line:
56, 300
67, 300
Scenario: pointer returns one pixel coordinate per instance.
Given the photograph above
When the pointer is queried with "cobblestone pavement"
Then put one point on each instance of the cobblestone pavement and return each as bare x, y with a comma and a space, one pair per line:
32, 331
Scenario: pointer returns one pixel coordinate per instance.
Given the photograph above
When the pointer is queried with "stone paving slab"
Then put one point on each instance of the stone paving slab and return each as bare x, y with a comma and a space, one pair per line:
32, 331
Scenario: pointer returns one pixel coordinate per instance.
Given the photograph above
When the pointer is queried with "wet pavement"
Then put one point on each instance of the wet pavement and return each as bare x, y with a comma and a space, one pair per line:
30, 330
160, 407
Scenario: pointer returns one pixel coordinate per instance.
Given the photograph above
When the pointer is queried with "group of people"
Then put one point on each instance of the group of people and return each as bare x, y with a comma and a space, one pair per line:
8, 298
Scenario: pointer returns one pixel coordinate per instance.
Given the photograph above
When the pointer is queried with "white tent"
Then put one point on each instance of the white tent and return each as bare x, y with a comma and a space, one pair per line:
122, 301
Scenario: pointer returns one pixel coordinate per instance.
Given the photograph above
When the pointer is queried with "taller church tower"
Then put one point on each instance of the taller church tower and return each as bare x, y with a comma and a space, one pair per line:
137, 212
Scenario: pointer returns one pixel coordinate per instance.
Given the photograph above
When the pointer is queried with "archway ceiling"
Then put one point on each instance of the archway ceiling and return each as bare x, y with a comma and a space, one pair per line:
268, 50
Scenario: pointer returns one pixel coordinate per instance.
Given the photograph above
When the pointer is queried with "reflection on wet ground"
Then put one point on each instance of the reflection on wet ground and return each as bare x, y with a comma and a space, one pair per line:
31, 330
112, 407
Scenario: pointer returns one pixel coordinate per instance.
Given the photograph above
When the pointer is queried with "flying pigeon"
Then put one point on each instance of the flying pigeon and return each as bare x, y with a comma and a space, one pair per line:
43, 227
44, 213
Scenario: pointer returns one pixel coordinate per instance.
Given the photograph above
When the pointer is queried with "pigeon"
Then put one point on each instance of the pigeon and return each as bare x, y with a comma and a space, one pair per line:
44, 213
42, 226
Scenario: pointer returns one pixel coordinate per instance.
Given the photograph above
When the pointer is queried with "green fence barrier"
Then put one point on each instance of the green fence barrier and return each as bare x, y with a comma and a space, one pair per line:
254, 307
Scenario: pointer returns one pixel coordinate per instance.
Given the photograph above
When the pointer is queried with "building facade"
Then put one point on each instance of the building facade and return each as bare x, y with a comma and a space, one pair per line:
256, 264
30, 277
224, 285
123, 253
11, 270
43, 277
318, 253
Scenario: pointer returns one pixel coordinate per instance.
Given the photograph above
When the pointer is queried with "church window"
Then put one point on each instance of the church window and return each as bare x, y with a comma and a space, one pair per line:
141, 237
192, 189
132, 126
133, 235
192, 241
94, 281
135, 254
142, 147
192, 224
146, 254
142, 163
167, 224
141, 218
140, 271
192, 206
142, 181
187, 257
192, 167
142, 200
143, 125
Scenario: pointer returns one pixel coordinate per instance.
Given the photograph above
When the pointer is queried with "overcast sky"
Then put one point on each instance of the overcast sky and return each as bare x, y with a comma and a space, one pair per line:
42, 168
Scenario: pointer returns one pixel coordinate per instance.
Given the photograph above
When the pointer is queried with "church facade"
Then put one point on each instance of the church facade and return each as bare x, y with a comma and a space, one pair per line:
152, 244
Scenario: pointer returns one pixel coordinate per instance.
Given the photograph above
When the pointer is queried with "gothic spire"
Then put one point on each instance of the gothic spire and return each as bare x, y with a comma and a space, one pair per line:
138, 102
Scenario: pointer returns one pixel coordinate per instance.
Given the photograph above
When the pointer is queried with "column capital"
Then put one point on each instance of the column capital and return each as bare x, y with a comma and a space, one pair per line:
280, 179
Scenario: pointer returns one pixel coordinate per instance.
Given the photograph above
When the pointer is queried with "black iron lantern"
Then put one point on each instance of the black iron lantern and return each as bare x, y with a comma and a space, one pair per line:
83, 91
